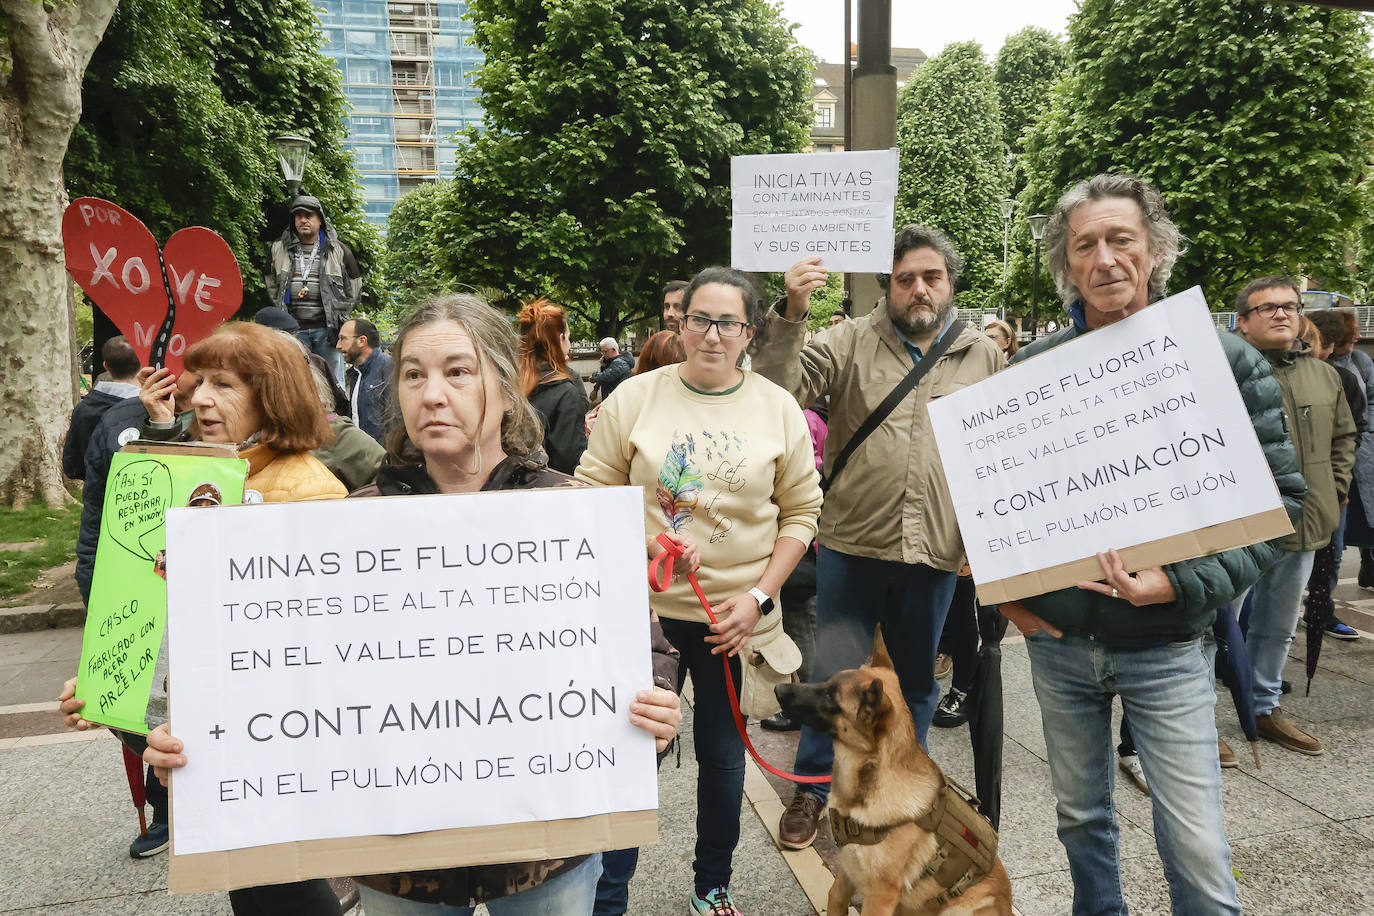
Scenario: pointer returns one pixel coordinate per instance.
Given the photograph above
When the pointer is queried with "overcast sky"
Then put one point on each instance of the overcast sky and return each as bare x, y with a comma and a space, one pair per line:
928, 25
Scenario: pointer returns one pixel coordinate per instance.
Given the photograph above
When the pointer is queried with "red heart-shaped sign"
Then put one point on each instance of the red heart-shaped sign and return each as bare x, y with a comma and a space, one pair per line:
114, 258
206, 287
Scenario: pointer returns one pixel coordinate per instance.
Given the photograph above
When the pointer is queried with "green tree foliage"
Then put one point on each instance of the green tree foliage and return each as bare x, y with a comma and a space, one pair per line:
179, 106
1028, 66
410, 263
1253, 119
953, 161
603, 167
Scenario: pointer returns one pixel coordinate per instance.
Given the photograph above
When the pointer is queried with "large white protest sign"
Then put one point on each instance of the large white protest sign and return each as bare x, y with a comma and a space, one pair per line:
794, 205
1133, 436
389, 666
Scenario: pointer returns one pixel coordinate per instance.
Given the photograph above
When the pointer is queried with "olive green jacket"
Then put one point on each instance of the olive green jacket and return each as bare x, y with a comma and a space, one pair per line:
1324, 437
892, 501
1203, 584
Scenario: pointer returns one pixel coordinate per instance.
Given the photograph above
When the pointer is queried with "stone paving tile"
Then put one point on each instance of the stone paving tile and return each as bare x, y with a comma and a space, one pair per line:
1339, 784
36, 681
1028, 843
1364, 826
25, 648
76, 825
1355, 660
1314, 870
763, 885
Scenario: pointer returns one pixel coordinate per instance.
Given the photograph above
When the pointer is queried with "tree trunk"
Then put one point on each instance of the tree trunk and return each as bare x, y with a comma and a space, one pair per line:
43, 56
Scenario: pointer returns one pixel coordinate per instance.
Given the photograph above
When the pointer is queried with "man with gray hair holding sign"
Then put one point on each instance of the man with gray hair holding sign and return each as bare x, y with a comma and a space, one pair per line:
889, 543
1138, 635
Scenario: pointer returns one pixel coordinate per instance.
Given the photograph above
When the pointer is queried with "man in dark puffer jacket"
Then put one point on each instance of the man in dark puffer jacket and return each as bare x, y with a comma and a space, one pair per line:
1110, 247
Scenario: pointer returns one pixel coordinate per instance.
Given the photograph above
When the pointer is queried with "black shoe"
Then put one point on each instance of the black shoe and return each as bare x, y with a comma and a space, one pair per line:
953, 709
151, 843
778, 722
1285, 686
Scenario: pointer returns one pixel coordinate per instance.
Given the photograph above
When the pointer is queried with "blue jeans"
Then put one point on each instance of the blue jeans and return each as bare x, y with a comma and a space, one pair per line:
320, 341
1276, 600
719, 749
569, 894
1167, 692
853, 596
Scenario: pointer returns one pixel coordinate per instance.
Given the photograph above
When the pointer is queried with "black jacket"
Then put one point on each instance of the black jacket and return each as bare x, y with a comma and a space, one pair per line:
123, 420
612, 373
84, 418
370, 387
562, 408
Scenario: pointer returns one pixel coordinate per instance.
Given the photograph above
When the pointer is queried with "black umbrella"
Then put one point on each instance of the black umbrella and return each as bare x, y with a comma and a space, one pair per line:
1233, 667
985, 713
1320, 609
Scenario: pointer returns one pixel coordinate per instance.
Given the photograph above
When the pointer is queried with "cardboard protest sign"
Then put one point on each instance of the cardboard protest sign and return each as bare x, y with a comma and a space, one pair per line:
1132, 437
347, 675
115, 259
791, 206
128, 610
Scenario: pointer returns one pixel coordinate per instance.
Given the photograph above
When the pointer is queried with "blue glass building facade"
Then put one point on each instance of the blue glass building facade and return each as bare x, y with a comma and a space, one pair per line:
407, 71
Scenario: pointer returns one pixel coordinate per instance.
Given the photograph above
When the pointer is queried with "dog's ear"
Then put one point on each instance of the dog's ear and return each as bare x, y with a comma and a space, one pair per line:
879, 658
873, 703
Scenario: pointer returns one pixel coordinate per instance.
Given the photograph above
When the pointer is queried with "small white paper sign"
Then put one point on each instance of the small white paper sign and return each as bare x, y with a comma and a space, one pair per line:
389, 666
794, 205
1128, 435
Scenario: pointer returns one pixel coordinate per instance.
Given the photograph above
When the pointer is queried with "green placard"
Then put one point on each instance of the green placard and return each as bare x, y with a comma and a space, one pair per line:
127, 615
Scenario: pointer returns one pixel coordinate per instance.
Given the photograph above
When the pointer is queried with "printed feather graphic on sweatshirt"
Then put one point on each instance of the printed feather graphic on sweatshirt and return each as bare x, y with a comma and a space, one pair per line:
679, 484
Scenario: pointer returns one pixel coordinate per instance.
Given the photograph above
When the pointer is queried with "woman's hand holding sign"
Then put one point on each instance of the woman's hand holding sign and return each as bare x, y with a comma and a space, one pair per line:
157, 390
71, 708
1147, 586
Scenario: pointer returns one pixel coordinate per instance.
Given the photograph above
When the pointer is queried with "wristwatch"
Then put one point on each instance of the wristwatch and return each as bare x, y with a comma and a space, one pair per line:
765, 602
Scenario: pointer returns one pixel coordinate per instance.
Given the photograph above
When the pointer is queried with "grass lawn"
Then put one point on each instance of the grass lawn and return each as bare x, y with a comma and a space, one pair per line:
54, 529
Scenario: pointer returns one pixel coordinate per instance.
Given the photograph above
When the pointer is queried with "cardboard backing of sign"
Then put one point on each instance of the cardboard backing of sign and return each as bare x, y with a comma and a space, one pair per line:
1242, 532
381, 855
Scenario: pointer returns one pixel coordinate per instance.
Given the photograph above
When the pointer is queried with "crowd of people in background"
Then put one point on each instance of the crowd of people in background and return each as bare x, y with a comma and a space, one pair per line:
804, 522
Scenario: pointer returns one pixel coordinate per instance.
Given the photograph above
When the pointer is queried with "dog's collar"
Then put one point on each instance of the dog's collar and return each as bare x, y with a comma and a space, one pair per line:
846, 830
966, 844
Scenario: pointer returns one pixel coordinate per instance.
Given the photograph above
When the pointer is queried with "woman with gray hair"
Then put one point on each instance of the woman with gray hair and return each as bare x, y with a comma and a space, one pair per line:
465, 426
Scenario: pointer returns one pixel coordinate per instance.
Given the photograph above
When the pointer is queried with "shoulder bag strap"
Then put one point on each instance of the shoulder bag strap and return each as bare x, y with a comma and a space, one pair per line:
889, 404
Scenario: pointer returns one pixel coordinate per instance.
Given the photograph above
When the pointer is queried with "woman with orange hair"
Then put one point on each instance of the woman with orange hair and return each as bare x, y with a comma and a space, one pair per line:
553, 389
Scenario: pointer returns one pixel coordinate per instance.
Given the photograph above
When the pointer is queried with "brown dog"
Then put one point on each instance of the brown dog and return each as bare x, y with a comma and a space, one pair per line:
905, 848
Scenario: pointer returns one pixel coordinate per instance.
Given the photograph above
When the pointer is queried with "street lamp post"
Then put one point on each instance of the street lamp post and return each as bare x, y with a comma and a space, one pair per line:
1037, 228
292, 151
1007, 206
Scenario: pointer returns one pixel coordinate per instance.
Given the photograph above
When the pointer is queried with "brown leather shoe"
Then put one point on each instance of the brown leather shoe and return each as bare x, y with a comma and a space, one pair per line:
800, 821
1280, 728
1225, 755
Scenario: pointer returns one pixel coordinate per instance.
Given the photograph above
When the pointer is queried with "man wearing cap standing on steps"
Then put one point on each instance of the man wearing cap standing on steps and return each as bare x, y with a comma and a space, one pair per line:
315, 278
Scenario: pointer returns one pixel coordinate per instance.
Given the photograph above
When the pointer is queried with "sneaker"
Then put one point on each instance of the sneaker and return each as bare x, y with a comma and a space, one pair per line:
715, 903
1130, 765
1280, 728
943, 666
779, 722
953, 709
156, 840
1338, 630
1225, 756
799, 822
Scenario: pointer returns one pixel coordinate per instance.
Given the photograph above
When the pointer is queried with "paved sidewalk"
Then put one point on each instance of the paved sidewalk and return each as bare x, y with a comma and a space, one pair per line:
1302, 828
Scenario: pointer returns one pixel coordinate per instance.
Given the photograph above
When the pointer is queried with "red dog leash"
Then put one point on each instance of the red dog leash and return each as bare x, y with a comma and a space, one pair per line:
660, 576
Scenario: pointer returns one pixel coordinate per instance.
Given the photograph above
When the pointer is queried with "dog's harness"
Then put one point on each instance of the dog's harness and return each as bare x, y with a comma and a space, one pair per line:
966, 843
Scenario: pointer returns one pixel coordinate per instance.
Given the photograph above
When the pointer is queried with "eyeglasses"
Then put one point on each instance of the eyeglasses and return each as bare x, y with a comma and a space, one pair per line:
1269, 309
727, 327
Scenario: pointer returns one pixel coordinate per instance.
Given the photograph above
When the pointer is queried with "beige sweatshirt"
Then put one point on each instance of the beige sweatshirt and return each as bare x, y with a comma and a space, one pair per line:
731, 472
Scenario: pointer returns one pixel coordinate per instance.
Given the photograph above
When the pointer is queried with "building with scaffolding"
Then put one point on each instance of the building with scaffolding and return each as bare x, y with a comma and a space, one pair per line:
407, 70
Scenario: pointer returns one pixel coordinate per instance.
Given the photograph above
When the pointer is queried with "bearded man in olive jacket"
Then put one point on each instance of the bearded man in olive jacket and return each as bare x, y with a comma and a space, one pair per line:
1111, 246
